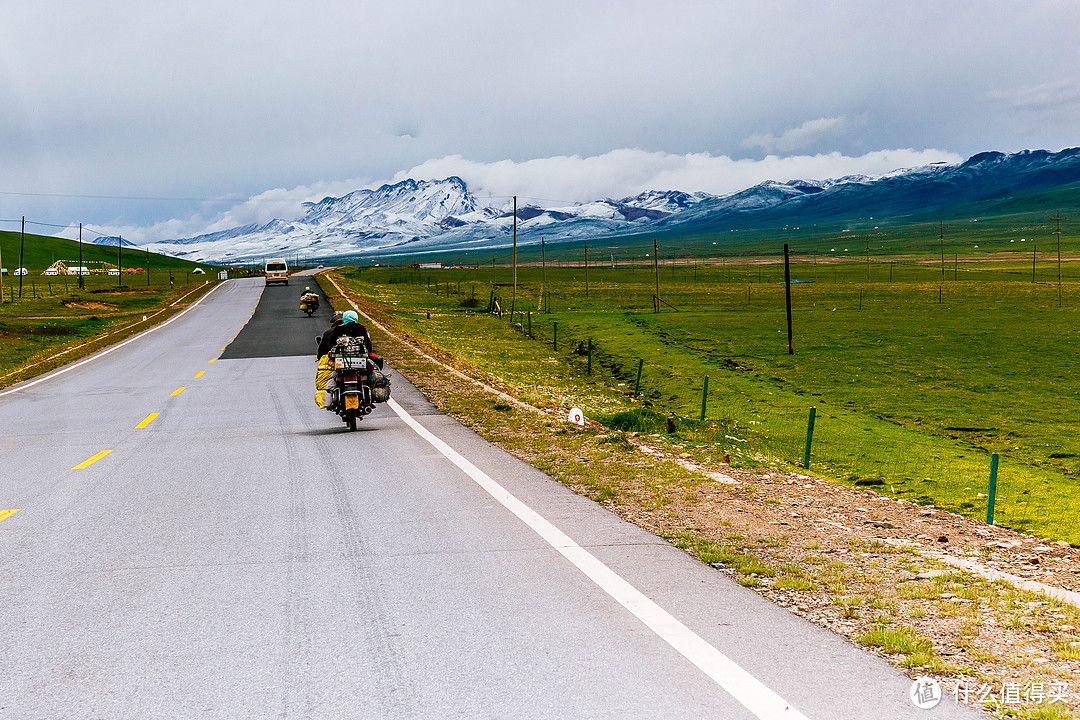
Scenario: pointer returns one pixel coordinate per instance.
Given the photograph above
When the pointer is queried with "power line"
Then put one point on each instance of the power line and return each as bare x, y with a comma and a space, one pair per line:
146, 197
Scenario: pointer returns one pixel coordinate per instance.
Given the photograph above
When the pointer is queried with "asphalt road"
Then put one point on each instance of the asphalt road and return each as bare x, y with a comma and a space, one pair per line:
195, 538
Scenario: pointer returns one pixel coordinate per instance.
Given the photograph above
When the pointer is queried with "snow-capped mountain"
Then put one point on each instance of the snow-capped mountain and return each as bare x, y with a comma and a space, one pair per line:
417, 216
110, 240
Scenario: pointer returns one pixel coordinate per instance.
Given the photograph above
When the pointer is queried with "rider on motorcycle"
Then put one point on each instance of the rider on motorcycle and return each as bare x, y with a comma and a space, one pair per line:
324, 375
309, 297
349, 326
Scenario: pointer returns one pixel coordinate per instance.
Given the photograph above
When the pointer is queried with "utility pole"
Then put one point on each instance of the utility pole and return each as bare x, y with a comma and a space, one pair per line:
1, 274
1057, 220
787, 291
22, 247
586, 269
543, 273
941, 239
82, 282
513, 296
147, 267
120, 260
543, 262
656, 274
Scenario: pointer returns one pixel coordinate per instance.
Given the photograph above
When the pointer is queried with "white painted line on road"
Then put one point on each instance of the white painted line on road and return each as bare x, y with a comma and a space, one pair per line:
103, 353
741, 685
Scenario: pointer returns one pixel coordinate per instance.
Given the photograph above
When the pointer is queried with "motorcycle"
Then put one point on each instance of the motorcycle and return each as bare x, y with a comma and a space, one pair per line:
359, 382
309, 303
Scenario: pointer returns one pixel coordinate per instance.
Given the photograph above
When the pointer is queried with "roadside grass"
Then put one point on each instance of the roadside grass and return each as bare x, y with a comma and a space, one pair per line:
912, 394
34, 330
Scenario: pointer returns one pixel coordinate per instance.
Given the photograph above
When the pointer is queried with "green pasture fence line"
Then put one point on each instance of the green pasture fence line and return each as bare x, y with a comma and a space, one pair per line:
851, 447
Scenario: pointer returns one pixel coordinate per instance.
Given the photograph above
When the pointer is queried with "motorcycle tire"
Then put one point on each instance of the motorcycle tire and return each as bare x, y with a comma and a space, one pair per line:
350, 419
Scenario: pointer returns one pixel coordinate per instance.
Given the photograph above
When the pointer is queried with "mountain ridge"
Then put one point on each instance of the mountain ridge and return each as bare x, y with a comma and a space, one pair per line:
443, 215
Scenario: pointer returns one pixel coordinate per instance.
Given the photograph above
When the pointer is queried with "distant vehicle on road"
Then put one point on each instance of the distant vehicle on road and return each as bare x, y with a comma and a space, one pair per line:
277, 271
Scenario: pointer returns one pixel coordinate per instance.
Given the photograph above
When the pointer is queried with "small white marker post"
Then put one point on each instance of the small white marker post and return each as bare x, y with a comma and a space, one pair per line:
576, 416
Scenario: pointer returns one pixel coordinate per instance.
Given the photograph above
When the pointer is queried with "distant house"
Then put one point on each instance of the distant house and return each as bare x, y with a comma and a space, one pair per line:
431, 266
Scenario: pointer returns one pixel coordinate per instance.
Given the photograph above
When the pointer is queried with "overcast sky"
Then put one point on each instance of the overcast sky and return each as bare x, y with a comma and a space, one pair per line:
175, 113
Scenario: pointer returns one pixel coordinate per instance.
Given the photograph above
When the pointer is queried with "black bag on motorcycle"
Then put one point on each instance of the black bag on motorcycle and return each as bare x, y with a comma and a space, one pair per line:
380, 386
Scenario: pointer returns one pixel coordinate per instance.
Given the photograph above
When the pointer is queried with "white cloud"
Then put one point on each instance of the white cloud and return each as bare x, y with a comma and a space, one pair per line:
1044, 96
621, 173
798, 138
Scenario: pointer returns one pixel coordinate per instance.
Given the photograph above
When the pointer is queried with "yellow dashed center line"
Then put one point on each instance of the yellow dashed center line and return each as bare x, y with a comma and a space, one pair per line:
199, 374
177, 391
87, 463
149, 419
214, 359
5, 514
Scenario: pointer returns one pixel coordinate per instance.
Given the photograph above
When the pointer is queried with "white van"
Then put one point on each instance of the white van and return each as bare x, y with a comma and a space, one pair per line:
277, 271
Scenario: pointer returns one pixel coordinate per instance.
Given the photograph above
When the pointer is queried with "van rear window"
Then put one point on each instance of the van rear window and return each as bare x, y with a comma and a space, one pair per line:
276, 267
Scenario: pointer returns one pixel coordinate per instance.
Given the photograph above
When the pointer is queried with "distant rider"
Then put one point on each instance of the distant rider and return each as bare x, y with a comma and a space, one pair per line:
309, 297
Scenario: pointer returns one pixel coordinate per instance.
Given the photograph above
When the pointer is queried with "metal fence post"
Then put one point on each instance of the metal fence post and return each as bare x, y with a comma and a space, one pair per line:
809, 439
993, 489
704, 396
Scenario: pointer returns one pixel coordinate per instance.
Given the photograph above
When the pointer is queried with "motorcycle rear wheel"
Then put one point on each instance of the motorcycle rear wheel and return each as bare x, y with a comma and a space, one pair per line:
350, 419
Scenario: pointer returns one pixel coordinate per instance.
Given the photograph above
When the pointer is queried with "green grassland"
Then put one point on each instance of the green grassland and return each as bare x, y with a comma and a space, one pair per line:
39, 252
917, 375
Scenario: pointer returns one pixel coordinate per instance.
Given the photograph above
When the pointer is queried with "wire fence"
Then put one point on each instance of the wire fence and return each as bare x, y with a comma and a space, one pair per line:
852, 445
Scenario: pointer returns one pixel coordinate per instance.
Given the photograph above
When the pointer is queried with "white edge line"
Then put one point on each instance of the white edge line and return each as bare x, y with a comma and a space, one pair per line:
737, 682
103, 353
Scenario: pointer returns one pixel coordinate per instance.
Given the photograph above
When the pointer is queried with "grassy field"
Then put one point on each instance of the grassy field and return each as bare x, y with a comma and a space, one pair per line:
38, 252
916, 378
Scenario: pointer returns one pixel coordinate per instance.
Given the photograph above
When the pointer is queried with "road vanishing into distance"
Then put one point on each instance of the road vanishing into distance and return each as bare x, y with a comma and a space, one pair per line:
195, 538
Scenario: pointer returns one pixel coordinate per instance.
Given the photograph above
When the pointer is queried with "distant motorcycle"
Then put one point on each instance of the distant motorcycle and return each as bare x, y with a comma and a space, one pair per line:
359, 382
309, 303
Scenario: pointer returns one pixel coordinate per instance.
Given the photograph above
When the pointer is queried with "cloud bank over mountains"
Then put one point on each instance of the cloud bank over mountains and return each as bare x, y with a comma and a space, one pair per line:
560, 180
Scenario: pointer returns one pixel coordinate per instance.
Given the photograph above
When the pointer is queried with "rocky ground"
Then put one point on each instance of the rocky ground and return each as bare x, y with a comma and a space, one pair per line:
870, 561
